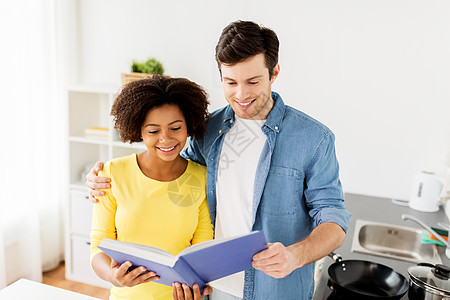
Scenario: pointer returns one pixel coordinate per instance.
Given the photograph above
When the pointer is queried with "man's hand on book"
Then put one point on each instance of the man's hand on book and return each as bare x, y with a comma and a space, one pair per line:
277, 261
183, 292
120, 276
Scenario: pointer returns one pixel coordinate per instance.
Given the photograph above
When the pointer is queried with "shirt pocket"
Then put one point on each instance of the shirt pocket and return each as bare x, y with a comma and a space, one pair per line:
282, 191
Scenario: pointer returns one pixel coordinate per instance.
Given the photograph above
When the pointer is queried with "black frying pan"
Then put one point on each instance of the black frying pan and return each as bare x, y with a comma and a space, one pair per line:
360, 279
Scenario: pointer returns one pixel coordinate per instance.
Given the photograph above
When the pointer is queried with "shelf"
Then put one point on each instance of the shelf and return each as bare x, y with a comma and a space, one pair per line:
78, 186
130, 146
80, 139
86, 140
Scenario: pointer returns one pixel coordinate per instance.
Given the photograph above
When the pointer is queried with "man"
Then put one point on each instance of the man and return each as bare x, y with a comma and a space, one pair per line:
270, 167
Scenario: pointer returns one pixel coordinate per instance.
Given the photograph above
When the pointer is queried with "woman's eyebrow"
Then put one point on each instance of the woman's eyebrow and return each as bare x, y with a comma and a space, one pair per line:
171, 123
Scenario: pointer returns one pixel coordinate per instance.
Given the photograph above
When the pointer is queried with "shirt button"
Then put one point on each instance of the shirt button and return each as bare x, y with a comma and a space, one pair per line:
276, 127
231, 121
220, 131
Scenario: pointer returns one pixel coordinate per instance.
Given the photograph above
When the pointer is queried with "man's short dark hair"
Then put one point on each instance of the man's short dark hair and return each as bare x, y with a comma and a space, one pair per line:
137, 98
243, 39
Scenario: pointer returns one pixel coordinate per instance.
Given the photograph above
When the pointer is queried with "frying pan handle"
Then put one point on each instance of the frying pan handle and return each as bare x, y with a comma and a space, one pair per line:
336, 257
330, 284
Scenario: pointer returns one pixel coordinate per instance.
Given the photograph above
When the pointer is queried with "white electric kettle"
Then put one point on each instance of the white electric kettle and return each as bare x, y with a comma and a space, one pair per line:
426, 192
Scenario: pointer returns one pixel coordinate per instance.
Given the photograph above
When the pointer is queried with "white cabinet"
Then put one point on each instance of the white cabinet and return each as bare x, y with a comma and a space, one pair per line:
81, 269
87, 107
80, 211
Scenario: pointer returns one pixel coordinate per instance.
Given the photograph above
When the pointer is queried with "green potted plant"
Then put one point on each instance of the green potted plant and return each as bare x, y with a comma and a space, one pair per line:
143, 69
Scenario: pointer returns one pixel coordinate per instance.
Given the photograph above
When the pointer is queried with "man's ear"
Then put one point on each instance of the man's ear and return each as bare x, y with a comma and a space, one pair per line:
219, 66
276, 71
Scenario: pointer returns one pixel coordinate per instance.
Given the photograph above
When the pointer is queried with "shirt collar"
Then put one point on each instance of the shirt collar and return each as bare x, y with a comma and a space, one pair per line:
276, 115
229, 114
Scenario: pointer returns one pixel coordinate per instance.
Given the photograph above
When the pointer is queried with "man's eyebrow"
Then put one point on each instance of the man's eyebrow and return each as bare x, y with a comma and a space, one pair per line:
157, 125
251, 78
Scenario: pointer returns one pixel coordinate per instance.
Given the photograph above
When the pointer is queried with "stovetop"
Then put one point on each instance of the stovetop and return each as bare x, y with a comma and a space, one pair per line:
330, 294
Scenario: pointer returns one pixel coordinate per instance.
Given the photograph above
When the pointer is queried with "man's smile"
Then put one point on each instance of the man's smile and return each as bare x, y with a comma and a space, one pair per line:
244, 104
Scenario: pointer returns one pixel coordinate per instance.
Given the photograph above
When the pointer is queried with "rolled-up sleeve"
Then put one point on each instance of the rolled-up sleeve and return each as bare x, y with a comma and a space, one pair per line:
323, 193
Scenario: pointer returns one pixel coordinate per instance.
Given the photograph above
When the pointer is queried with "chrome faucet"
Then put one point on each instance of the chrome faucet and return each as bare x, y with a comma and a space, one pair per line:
426, 227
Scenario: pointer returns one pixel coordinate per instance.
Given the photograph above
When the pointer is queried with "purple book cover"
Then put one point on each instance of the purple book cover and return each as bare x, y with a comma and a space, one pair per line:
200, 263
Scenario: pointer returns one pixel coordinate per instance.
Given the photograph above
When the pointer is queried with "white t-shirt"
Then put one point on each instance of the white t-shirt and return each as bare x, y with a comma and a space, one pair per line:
239, 159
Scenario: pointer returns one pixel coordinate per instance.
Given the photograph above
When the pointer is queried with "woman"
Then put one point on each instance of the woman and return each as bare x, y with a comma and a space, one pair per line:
157, 198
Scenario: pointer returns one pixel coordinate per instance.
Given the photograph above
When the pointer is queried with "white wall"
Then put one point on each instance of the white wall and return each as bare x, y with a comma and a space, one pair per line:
376, 72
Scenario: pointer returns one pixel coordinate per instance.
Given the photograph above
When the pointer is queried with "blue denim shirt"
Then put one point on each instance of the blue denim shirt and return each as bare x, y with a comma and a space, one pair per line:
297, 187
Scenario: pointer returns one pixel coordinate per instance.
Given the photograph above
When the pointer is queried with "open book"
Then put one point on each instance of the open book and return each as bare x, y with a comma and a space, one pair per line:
199, 263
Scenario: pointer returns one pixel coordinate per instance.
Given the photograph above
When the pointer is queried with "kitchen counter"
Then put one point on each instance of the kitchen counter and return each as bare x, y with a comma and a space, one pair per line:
377, 210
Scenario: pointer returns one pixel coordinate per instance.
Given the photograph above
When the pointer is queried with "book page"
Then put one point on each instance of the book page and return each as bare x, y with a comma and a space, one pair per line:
145, 252
210, 243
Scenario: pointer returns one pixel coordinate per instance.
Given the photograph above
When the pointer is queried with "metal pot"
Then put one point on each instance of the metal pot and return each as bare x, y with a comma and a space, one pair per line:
429, 282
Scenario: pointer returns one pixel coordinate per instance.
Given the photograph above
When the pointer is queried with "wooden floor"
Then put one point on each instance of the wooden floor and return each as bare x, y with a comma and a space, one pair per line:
56, 278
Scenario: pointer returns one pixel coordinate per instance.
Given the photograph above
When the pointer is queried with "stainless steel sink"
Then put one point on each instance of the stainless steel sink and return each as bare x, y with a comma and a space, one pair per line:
393, 241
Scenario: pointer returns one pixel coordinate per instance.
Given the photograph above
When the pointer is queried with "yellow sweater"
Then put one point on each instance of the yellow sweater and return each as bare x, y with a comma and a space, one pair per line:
168, 215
